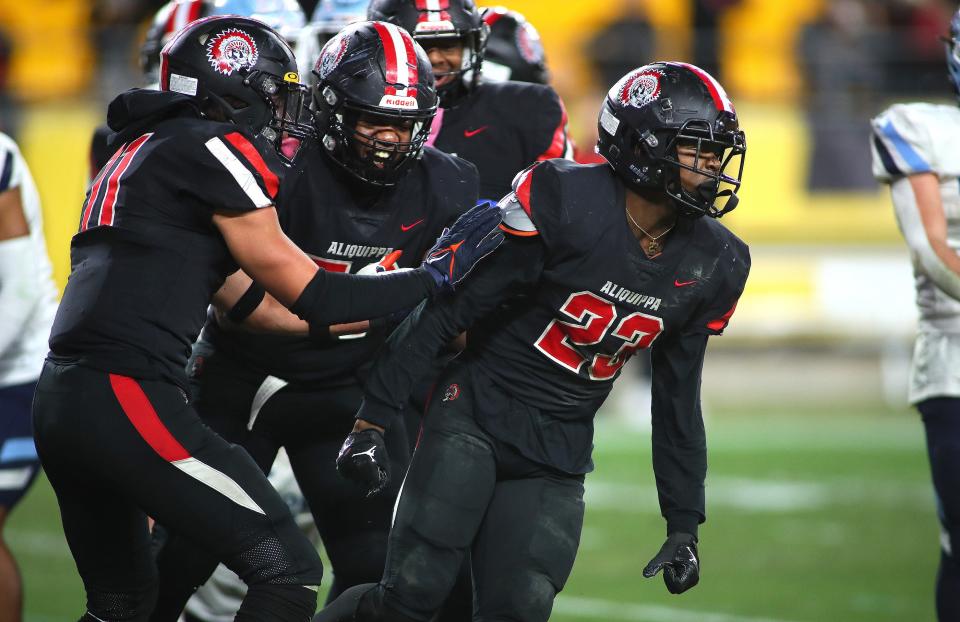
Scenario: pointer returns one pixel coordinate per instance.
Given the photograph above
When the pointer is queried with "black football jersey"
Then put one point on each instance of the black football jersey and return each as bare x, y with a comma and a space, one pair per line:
503, 127
147, 258
344, 226
555, 314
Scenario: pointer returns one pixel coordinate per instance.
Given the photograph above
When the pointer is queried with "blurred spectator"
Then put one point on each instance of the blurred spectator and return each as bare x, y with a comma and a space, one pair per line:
914, 50
116, 34
9, 112
628, 42
706, 34
841, 55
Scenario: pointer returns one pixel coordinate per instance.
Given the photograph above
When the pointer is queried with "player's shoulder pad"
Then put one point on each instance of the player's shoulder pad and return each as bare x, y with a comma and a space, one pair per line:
454, 183
733, 254
516, 208
236, 149
906, 138
521, 98
446, 167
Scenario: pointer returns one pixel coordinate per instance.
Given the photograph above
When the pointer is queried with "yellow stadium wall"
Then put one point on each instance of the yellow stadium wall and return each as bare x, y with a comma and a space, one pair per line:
775, 206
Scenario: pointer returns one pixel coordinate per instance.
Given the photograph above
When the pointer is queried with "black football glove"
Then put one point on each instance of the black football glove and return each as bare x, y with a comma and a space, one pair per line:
363, 460
471, 238
679, 561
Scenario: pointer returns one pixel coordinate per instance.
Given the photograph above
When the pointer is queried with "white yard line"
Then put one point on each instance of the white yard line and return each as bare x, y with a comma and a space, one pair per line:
599, 609
763, 495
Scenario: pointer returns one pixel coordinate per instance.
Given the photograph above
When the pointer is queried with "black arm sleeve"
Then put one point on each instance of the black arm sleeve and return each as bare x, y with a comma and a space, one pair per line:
334, 298
679, 441
409, 353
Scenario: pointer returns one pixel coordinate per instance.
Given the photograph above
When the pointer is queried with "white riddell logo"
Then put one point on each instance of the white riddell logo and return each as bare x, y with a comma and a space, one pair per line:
368, 452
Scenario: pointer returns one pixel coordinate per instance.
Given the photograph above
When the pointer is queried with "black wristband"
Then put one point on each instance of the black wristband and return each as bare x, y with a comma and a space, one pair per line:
320, 334
250, 300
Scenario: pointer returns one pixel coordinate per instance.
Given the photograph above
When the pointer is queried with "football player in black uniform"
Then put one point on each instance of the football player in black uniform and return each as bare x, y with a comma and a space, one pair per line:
367, 188
501, 127
600, 261
188, 195
514, 50
283, 16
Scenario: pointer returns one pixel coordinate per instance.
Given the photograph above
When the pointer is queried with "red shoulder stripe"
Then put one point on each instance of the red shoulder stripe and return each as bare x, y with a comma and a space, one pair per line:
253, 156
721, 322
558, 146
523, 190
113, 184
95, 189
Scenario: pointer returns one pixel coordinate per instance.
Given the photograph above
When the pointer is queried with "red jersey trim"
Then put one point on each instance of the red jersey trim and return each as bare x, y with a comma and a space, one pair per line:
246, 148
721, 322
558, 146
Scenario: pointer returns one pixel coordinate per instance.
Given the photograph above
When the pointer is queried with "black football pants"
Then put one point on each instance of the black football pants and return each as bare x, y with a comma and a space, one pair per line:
116, 450
941, 420
465, 491
311, 422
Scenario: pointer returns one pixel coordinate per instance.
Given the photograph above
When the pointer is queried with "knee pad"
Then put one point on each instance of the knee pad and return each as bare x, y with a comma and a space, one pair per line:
372, 608
132, 606
529, 600
359, 557
266, 602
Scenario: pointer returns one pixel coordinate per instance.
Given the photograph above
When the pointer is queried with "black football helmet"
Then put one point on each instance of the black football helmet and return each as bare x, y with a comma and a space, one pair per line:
284, 16
432, 20
241, 70
373, 69
514, 50
656, 108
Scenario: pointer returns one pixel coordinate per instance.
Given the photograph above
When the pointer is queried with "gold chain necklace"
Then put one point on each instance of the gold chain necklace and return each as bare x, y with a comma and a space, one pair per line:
654, 247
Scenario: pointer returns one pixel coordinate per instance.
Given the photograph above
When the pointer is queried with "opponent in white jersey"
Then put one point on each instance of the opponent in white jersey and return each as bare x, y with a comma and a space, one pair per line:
915, 151
28, 302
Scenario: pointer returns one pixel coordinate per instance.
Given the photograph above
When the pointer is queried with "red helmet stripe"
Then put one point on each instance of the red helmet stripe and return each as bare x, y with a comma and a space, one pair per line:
395, 54
164, 71
433, 5
183, 12
492, 16
720, 99
413, 74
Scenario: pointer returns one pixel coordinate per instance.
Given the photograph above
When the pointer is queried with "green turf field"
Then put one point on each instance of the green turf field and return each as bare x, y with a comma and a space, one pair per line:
813, 516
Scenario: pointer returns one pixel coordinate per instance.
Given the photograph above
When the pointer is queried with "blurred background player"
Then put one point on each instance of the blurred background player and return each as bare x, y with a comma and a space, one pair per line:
915, 152
283, 16
514, 50
501, 464
367, 187
329, 18
501, 127
28, 302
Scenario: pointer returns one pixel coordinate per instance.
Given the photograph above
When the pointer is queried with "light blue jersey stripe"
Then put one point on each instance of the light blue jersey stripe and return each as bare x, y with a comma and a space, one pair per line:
16, 449
913, 159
